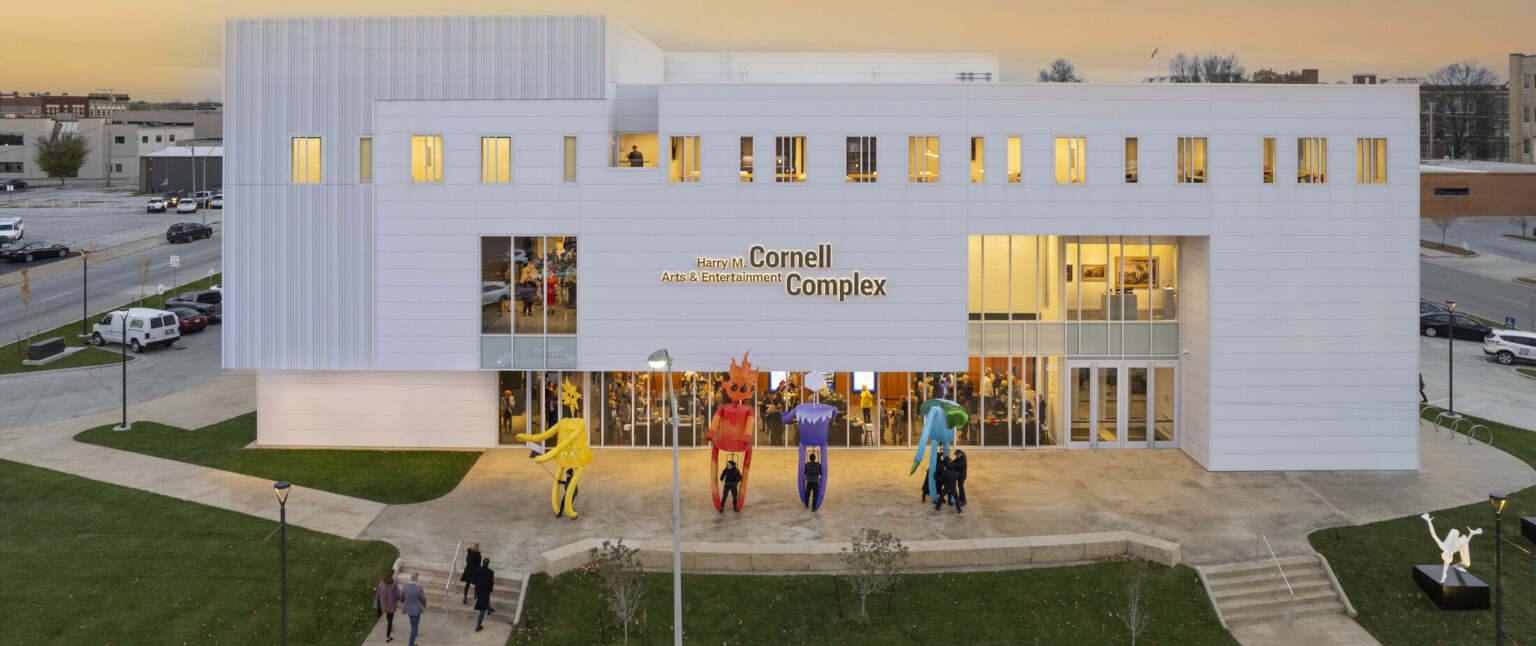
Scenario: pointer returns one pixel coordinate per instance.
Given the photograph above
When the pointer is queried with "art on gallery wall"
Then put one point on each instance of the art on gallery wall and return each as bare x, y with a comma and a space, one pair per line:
1138, 271
1094, 273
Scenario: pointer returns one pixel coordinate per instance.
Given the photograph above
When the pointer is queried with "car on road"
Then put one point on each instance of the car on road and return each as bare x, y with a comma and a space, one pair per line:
14, 184
29, 251
216, 202
156, 205
207, 301
1440, 323
187, 232
495, 293
172, 198
202, 197
145, 328
1427, 307
1510, 346
11, 230
186, 206
189, 320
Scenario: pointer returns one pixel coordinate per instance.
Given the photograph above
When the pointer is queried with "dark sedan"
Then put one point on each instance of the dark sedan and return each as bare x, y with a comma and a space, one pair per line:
187, 232
189, 320
15, 184
29, 251
1466, 327
1429, 307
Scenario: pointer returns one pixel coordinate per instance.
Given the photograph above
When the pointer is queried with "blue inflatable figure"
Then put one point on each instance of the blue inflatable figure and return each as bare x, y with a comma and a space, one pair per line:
940, 419
814, 418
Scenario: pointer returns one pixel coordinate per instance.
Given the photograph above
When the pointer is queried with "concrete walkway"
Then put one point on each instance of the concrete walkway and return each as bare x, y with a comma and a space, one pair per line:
1322, 630
1483, 388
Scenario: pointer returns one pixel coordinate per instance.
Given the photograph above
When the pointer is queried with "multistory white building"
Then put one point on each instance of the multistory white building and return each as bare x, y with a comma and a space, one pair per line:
1228, 270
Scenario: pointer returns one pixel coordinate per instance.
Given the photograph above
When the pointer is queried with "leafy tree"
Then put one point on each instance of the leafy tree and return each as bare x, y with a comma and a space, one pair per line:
1209, 68
1463, 100
1060, 71
61, 154
874, 562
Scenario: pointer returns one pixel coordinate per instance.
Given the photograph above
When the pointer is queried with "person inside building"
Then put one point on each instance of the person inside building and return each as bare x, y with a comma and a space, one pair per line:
731, 476
636, 158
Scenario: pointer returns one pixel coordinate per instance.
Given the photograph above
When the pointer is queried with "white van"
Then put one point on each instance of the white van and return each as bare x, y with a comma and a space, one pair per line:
147, 328
11, 230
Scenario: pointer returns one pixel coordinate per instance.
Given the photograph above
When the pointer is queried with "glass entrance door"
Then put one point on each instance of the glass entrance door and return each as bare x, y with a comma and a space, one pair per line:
1122, 404
530, 402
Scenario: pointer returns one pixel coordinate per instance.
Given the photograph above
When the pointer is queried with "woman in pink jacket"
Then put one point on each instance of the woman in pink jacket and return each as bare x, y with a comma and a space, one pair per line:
385, 600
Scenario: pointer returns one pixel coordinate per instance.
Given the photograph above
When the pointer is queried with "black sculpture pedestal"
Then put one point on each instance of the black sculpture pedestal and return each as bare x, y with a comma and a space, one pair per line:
1461, 590
1528, 528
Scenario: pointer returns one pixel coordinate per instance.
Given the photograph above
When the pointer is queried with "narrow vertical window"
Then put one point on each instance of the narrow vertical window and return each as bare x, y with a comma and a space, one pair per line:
306, 160
1015, 161
365, 160
1370, 161
1191, 160
1132, 174
860, 164
685, 160
922, 159
1269, 160
427, 158
789, 159
746, 159
496, 159
1071, 160
1311, 160
978, 160
570, 159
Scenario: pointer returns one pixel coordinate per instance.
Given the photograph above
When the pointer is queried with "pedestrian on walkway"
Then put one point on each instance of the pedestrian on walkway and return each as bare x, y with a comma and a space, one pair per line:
1423, 398
946, 478
385, 600
570, 474
415, 601
812, 482
471, 569
483, 587
959, 466
731, 476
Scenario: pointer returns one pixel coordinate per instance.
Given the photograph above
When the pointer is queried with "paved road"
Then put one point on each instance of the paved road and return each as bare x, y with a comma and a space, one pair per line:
1483, 235
56, 300
1486, 297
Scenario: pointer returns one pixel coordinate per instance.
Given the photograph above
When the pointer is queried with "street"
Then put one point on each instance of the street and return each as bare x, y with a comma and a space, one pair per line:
1486, 297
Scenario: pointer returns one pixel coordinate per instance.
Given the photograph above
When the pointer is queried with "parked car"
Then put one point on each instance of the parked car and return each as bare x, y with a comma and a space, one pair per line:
202, 197
146, 328
11, 230
14, 184
495, 293
187, 232
216, 202
172, 198
29, 251
156, 205
186, 206
1439, 323
1426, 307
1510, 346
189, 320
209, 302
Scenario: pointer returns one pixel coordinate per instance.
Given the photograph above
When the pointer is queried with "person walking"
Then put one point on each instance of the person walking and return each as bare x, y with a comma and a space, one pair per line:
471, 568
731, 476
415, 601
385, 600
483, 587
1423, 398
570, 474
959, 466
946, 478
812, 482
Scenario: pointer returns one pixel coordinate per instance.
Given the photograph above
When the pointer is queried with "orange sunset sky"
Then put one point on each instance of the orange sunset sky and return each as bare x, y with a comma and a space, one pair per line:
172, 49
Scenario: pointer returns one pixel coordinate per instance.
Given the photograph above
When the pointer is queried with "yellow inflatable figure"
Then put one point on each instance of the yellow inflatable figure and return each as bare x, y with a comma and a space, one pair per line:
571, 451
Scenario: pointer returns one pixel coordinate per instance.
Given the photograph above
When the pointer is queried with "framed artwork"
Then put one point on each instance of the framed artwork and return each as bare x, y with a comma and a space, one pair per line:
1138, 271
1069, 273
1093, 273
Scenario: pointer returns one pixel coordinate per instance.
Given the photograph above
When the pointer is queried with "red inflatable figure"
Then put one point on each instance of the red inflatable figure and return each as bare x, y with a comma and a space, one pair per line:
731, 429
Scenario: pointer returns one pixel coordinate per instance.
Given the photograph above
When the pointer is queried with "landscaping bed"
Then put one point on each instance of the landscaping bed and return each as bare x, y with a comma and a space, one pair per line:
390, 477
1446, 248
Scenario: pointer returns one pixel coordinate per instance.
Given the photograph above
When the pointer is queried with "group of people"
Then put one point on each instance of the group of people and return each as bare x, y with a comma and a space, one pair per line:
392, 596
558, 271
949, 479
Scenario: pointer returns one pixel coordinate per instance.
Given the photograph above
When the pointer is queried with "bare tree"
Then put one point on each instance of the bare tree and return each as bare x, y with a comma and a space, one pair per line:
1270, 76
874, 562
1523, 223
1134, 614
1442, 224
1209, 68
143, 277
621, 573
61, 155
1060, 71
1463, 100
25, 296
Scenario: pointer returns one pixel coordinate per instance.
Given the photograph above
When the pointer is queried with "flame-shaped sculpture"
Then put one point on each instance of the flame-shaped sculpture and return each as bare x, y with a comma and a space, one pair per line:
731, 429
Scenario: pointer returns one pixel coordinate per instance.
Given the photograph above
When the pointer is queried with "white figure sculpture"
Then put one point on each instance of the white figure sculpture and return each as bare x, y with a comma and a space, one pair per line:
1455, 542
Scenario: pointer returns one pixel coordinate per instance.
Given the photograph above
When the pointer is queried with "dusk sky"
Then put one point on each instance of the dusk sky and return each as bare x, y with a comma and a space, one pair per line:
173, 49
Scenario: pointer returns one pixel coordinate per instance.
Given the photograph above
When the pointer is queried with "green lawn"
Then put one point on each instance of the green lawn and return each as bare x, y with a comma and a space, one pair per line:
1374, 562
391, 477
1428, 244
1529, 372
1065, 605
92, 563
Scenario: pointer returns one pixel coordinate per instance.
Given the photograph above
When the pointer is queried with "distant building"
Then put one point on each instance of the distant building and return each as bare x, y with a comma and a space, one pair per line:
1475, 188
206, 124
1522, 108
1485, 118
181, 168
115, 147
33, 104
107, 105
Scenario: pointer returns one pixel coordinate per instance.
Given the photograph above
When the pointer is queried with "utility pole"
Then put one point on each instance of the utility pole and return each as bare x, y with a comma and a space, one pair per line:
106, 127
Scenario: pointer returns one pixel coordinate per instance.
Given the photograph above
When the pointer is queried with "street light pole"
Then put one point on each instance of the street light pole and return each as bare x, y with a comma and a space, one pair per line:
1450, 358
1498, 500
124, 426
281, 489
85, 290
662, 360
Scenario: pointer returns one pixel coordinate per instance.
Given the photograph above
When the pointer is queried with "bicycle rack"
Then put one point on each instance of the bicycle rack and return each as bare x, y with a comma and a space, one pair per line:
1457, 424
1472, 433
1444, 414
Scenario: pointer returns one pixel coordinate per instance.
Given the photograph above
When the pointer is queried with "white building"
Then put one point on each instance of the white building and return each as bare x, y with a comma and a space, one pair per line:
121, 143
1083, 266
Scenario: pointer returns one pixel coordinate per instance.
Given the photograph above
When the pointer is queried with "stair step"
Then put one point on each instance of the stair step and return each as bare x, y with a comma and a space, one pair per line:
466, 614
1267, 589
1294, 577
438, 583
1283, 603
1237, 569
1264, 616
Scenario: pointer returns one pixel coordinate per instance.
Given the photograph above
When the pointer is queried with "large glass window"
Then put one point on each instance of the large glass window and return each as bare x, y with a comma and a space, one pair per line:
365, 160
306, 160
1132, 173
426, 158
1191, 160
1371, 161
495, 159
1071, 160
1311, 160
528, 289
634, 150
1015, 161
1269, 160
789, 159
746, 159
922, 159
978, 160
684, 164
860, 160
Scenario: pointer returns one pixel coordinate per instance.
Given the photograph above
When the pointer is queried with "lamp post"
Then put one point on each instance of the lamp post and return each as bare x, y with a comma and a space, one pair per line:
1498, 500
124, 426
281, 489
662, 360
1450, 358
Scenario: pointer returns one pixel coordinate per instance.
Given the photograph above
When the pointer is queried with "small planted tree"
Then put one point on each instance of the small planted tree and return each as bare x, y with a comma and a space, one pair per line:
25, 296
873, 562
143, 277
621, 573
1442, 224
1523, 223
1134, 614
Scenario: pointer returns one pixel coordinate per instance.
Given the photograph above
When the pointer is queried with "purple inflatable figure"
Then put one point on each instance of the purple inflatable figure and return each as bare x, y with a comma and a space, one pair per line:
814, 418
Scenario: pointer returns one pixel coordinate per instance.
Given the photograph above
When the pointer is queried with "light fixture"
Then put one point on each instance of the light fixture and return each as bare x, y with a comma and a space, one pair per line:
1497, 500
659, 360
281, 489
1451, 304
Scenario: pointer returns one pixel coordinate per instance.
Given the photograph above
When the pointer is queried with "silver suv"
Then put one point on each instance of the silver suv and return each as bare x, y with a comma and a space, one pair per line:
1510, 346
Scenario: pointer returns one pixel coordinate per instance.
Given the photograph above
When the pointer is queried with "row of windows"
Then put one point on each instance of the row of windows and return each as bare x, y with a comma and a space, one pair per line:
860, 167
144, 139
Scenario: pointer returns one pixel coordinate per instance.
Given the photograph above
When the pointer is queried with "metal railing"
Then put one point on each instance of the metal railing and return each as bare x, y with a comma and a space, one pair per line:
1281, 577
448, 585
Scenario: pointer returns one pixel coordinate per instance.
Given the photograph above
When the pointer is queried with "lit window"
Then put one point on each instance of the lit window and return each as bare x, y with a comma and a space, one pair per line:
1371, 161
496, 159
1071, 160
427, 158
1191, 160
1311, 160
923, 159
789, 159
860, 165
365, 160
306, 160
685, 160
978, 160
1269, 160
746, 159
570, 159
1132, 174
1015, 161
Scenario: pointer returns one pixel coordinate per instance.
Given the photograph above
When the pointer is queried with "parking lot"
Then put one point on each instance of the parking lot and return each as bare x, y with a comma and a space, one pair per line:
81, 215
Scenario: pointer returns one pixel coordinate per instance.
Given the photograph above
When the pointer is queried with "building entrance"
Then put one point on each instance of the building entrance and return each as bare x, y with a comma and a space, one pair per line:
529, 402
1122, 404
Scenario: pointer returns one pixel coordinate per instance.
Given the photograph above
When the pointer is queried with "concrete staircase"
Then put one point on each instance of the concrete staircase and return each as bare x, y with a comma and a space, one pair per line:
1244, 593
506, 597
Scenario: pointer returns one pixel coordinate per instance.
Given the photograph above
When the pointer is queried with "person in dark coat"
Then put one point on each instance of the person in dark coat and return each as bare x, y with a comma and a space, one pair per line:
946, 478
731, 476
959, 466
812, 482
471, 569
485, 581
386, 600
569, 474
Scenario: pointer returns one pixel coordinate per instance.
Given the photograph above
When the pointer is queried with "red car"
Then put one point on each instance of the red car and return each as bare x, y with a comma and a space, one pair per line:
189, 320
